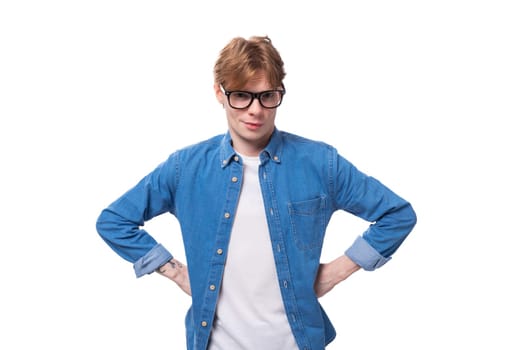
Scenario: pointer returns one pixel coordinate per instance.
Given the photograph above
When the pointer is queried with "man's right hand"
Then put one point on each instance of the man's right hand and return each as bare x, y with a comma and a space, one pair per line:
178, 273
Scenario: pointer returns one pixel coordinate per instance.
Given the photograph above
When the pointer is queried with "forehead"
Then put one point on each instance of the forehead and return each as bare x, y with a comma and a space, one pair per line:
255, 81
258, 82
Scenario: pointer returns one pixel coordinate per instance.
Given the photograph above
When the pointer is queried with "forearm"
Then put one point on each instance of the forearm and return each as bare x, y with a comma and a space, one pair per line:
122, 230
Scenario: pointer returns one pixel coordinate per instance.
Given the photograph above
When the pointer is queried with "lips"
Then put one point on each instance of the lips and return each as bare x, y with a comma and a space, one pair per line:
252, 126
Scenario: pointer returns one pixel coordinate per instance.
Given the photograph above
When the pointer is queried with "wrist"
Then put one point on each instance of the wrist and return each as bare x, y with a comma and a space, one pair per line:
346, 267
170, 268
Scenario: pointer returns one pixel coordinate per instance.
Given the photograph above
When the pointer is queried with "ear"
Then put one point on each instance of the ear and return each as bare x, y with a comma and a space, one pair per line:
218, 94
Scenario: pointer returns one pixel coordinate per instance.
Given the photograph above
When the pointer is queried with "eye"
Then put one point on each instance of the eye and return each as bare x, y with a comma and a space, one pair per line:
270, 96
240, 95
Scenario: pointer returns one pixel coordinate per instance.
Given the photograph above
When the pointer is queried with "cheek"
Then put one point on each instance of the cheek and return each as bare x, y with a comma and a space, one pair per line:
231, 114
271, 115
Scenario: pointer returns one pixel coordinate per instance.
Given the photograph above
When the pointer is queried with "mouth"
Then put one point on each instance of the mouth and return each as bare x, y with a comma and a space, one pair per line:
252, 126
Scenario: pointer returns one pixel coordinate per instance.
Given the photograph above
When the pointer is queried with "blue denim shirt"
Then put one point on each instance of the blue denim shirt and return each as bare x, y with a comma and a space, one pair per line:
303, 183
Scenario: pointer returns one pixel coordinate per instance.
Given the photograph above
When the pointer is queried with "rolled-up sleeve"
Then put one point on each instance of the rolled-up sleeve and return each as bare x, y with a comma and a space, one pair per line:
156, 257
365, 256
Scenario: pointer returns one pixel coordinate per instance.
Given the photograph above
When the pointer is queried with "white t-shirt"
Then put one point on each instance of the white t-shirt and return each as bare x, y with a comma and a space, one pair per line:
250, 312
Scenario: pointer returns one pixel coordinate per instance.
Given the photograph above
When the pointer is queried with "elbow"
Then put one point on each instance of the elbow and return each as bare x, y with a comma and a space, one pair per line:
410, 218
102, 223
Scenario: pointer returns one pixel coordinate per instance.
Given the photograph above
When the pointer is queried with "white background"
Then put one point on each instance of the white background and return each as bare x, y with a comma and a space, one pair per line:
427, 96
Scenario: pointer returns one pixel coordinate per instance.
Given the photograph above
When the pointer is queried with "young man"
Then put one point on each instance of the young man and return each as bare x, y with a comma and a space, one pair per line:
253, 207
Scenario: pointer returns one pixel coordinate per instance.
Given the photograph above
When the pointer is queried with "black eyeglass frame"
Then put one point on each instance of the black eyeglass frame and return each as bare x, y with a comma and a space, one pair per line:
254, 95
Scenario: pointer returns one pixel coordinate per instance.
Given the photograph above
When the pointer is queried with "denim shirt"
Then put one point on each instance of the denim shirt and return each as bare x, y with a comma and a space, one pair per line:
303, 183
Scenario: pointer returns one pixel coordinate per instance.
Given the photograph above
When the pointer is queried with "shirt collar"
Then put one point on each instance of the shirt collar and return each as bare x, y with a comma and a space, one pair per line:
272, 151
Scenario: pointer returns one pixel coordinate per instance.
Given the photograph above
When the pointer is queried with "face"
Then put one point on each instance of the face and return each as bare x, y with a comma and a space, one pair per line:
250, 128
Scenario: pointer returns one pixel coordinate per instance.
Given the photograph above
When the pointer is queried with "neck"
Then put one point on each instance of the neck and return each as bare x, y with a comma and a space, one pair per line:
250, 148
247, 150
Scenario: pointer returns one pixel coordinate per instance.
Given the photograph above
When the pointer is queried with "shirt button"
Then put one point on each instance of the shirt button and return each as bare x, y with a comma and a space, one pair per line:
236, 158
234, 179
227, 215
224, 162
219, 251
212, 286
204, 323
275, 158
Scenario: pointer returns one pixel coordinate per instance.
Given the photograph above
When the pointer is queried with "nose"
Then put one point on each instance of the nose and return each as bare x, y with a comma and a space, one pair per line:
255, 107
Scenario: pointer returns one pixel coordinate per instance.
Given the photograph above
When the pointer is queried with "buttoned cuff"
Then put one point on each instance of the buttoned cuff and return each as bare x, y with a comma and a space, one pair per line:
155, 258
364, 255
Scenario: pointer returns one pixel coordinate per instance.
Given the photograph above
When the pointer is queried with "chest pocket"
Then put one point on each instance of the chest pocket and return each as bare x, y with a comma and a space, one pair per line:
308, 221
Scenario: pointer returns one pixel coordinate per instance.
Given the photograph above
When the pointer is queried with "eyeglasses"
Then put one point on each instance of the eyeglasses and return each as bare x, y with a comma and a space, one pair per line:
244, 99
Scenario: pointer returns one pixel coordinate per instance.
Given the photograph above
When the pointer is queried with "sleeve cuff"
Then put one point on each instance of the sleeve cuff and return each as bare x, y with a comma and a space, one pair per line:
156, 257
363, 254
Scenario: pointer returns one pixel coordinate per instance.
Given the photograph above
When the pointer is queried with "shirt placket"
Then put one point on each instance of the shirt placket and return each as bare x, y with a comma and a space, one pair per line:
218, 260
280, 256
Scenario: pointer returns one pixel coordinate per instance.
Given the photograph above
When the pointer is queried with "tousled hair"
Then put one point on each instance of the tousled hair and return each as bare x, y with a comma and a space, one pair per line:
241, 59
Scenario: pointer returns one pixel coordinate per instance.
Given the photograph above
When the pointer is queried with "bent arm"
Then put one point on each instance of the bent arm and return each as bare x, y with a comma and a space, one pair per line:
121, 224
391, 217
